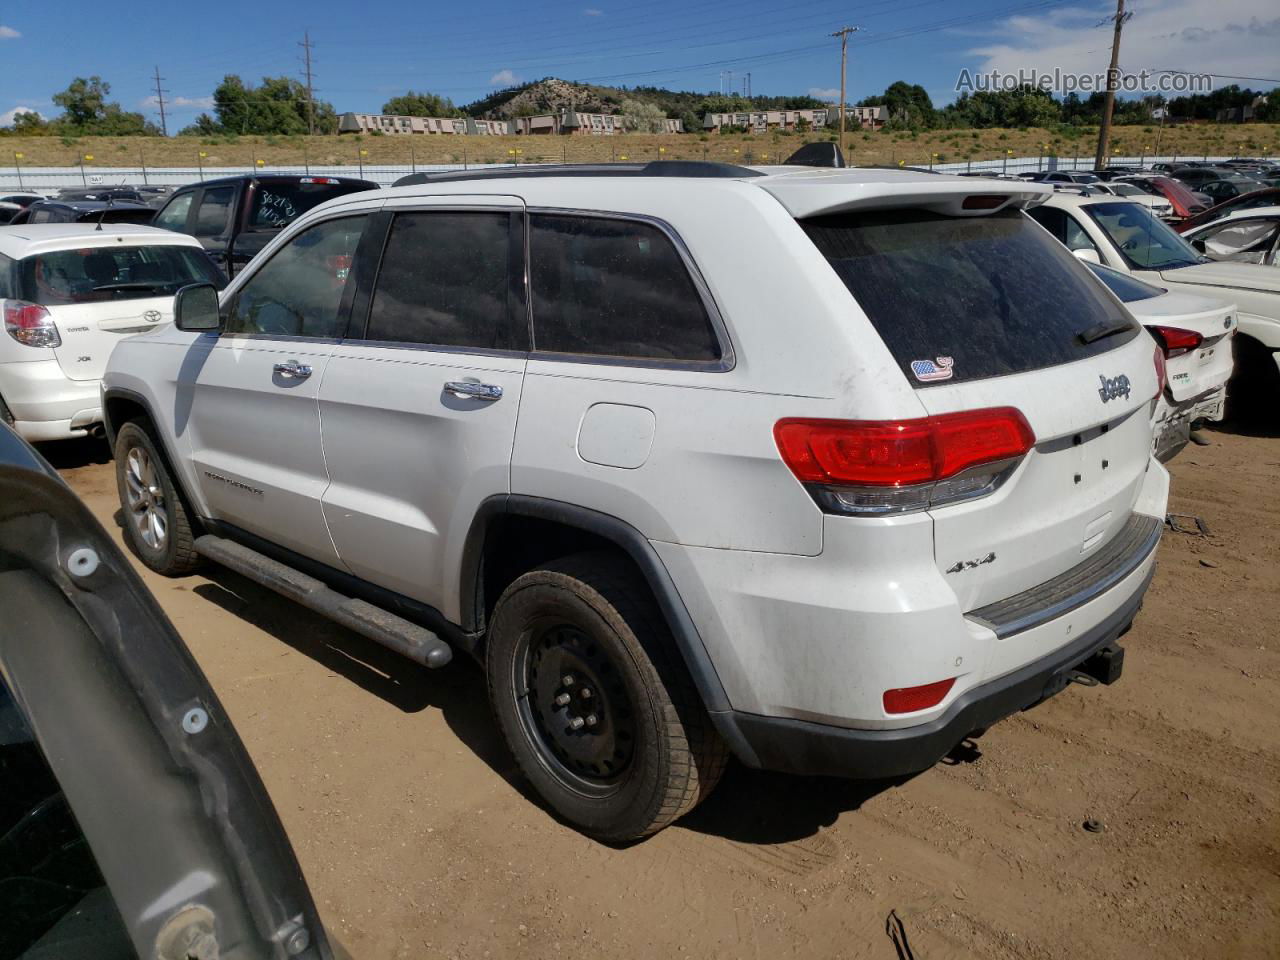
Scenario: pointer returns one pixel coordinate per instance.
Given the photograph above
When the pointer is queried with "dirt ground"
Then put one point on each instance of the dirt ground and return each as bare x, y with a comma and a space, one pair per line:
419, 841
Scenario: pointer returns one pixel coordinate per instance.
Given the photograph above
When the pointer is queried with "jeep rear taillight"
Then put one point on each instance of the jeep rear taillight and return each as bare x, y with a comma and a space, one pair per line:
30, 324
898, 466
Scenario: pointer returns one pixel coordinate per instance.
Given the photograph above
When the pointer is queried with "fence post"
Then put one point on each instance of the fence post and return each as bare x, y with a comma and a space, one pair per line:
306, 161
464, 158
413, 159
143, 161
18, 166
200, 155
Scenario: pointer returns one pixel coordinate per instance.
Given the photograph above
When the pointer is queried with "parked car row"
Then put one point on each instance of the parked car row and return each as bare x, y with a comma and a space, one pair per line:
448, 415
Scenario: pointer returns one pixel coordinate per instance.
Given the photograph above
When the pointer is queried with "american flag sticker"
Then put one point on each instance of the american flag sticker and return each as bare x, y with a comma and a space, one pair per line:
926, 371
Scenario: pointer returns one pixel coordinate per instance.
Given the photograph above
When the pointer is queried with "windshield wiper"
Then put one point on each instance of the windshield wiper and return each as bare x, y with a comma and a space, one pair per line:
132, 285
1100, 331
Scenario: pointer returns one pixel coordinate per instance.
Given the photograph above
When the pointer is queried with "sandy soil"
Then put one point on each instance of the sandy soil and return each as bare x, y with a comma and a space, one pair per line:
419, 841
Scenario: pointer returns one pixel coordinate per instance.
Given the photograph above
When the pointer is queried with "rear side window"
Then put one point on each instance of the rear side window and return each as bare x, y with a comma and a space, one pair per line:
445, 280
1127, 288
214, 212
99, 274
615, 288
966, 298
174, 215
8, 286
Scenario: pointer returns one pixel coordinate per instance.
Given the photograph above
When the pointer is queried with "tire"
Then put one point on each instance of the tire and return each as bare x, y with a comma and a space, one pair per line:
156, 523
1252, 390
651, 754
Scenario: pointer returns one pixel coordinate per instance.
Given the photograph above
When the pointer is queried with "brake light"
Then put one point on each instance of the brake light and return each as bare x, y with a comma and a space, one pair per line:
1176, 341
911, 699
983, 201
877, 467
317, 180
30, 324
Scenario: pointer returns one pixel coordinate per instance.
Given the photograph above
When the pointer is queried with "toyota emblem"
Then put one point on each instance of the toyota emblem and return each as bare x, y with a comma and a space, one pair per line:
151, 316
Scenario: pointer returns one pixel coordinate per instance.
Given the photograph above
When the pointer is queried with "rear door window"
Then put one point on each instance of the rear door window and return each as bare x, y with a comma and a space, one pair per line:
979, 297
445, 280
615, 288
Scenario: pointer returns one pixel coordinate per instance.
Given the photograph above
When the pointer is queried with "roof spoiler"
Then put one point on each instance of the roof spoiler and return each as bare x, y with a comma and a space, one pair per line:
816, 155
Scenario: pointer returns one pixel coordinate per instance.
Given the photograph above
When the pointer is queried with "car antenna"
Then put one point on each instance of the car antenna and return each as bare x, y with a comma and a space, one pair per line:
101, 214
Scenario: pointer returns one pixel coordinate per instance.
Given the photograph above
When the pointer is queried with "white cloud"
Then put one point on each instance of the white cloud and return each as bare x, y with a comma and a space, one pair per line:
504, 78
592, 12
8, 33
1241, 41
825, 93
202, 103
6, 119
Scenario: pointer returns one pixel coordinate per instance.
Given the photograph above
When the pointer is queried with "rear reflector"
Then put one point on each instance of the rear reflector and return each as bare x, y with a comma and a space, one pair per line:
983, 201
911, 699
1177, 341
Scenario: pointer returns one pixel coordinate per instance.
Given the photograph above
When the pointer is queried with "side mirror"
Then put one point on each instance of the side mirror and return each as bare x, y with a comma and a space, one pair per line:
195, 308
1087, 255
1199, 245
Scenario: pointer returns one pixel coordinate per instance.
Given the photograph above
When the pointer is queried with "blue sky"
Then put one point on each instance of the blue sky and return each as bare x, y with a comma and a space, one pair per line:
365, 53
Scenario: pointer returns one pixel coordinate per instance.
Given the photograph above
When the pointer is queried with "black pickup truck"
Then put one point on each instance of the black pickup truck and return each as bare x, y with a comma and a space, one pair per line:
235, 217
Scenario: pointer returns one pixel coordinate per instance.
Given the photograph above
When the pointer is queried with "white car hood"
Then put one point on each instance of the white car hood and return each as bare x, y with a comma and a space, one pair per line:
1241, 276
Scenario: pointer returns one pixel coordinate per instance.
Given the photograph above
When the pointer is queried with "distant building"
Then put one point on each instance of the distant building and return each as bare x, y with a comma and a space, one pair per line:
394, 124
568, 122
578, 123
758, 121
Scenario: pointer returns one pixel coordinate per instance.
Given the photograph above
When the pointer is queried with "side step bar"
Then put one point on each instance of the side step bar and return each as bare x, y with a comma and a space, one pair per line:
408, 639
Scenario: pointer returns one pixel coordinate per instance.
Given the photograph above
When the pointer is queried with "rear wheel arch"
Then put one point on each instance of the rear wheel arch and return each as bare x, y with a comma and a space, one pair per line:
512, 534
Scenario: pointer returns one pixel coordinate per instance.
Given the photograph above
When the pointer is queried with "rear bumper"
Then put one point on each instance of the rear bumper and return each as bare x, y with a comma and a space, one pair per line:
1172, 421
45, 403
802, 747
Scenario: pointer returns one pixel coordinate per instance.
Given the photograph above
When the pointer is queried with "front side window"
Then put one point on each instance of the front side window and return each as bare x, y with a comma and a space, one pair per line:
616, 288
298, 292
1145, 242
98, 274
1246, 240
214, 212
989, 295
445, 280
174, 215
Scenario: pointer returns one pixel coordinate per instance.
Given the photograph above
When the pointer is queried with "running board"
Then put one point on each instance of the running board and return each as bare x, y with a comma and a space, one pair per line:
408, 639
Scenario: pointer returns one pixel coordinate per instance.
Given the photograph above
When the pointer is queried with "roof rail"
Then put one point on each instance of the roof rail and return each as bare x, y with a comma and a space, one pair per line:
655, 168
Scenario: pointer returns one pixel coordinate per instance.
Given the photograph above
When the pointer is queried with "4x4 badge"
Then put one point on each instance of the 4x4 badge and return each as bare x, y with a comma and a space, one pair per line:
1113, 387
970, 564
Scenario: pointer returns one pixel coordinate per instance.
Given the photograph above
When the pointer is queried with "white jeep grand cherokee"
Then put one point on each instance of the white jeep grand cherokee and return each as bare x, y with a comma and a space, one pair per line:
826, 470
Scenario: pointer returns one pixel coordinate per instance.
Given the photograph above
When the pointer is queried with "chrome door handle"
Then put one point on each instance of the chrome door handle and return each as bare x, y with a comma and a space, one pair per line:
472, 390
293, 370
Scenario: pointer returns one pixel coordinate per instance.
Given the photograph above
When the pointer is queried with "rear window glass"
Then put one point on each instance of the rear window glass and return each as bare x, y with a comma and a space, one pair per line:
98, 274
276, 205
966, 298
615, 288
1127, 288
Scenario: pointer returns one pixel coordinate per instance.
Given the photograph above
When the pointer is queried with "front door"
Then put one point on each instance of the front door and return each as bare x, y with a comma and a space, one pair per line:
419, 404
254, 422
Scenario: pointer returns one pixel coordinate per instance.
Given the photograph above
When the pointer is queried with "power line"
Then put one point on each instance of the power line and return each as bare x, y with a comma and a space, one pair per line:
306, 46
160, 92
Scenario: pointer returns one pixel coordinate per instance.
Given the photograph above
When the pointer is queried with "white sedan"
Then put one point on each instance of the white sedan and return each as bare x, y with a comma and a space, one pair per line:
1158, 205
1245, 236
1195, 333
68, 293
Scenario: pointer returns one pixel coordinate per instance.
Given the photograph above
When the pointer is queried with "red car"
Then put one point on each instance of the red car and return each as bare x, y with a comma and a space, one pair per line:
1270, 197
1184, 201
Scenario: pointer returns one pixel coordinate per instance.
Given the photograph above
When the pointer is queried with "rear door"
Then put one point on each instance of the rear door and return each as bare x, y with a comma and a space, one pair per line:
991, 311
97, 295
419, 404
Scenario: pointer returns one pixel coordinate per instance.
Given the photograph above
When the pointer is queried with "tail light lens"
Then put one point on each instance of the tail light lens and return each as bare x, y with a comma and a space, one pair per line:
880, 467
1162, 374
30, 324
911, 699
1176, 342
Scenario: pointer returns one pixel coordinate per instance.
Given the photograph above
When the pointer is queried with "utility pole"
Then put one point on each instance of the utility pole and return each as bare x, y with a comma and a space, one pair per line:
748, 85
164, 127
843, 34
1113, 81
306, 46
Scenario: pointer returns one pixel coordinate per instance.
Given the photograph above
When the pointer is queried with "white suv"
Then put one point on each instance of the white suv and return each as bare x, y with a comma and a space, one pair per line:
69, 292
826, 470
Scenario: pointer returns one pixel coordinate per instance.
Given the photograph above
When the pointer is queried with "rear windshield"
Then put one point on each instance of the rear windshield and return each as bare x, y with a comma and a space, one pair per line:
1127, 288
1146, 242
98, 274
276, 205
966, 298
